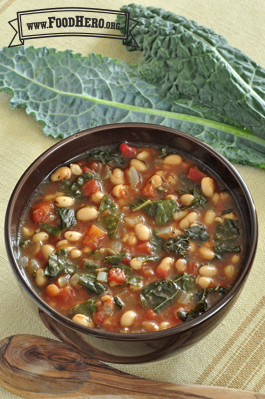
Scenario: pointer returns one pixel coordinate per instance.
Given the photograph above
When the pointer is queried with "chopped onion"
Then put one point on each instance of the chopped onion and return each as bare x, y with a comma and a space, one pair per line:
133, 176
23, 261
102, 277
133, 220
165, 232
74, 279
116, 246
185, 297
63, 280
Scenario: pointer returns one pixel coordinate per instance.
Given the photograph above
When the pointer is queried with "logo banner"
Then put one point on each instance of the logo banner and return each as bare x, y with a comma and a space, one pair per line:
71, 21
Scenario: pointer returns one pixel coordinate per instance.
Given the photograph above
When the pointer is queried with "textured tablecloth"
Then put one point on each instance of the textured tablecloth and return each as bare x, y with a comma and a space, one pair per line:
233, 354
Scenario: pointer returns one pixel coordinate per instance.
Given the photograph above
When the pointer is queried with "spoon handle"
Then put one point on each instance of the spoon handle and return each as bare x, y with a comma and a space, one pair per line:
41, 368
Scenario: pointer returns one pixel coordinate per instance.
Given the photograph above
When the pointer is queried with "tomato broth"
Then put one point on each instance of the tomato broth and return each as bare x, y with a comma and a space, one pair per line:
132, 239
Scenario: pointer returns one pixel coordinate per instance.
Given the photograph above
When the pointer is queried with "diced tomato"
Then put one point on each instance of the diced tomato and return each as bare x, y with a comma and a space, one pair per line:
116, 276
142, 248
149, 190
91, 187
193, 268
127, 151
99, 317
42, 211
95, 166
66, 296
126, 260
86, 169
40, 255
93, 235
196, 175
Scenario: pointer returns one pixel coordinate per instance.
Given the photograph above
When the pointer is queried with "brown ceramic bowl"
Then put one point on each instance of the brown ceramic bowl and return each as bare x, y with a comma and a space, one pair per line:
118, 347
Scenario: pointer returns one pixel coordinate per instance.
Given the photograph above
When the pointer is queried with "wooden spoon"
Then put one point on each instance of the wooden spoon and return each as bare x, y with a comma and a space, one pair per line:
41, 368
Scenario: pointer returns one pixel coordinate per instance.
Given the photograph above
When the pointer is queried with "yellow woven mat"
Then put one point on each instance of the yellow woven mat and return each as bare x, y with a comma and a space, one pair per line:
233, 354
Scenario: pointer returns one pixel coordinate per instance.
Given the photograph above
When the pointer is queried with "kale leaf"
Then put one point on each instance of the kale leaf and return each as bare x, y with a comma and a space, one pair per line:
89, 281
198, 200
162, 210
58, 264
178, 245
197, 233
109, 156
109, 215
159, 294
115, 259
88, 308
52, 230
226, 237
67, 217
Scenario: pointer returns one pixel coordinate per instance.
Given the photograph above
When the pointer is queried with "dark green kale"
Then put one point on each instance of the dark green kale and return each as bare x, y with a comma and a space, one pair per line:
110, 219
52, 230
110, 156
87, 308
157, 242
58, 264
118, 302
90, 265
134, 280
197, 233
162, 210
202, 304
178, 245
159, 294
226, 237
89, 281
67, 217
115, 259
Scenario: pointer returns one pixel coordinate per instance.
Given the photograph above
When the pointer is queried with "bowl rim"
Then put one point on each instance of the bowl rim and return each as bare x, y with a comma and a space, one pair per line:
131, 336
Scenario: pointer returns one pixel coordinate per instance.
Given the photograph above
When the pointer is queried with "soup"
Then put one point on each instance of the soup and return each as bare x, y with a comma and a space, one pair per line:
132, 240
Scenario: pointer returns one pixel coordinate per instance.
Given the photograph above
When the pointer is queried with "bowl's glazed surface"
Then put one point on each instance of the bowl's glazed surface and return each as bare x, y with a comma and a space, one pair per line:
117, 347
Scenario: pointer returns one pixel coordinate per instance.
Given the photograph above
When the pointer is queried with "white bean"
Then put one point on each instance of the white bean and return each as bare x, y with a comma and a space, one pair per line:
142, 155
97, 196
61, 244
127, 319
156, 180
229, 271
64, 201
117, 176
172, 197
75, 253
136, 264
87, 213
209, 217
47, 250
204, 282
206, 252
207, 186
119, 191
84, 320
186, 199
40, 279
42, 236
72, 235
190, 218
181, 265
28, 231
75, 169
132, 240
180, 215
235, 258
165, 265
142, 232
138, 165
208, 270
61, 173
164, 325
173, 159
150, 326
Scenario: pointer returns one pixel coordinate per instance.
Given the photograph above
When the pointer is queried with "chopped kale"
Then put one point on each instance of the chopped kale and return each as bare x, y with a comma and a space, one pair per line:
156, 241
89, 281
162, 210
90, 265
159, 294
110, 219
52, 230
197, 233
202, 304
178, 245
115, 259
110, 156
226, 237
58, 263
118, 302
199, 199
87, 308
24, 243
67, 217
135, 280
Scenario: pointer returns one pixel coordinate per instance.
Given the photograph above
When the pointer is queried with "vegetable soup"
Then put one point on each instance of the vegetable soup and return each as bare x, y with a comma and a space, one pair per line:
132, 240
